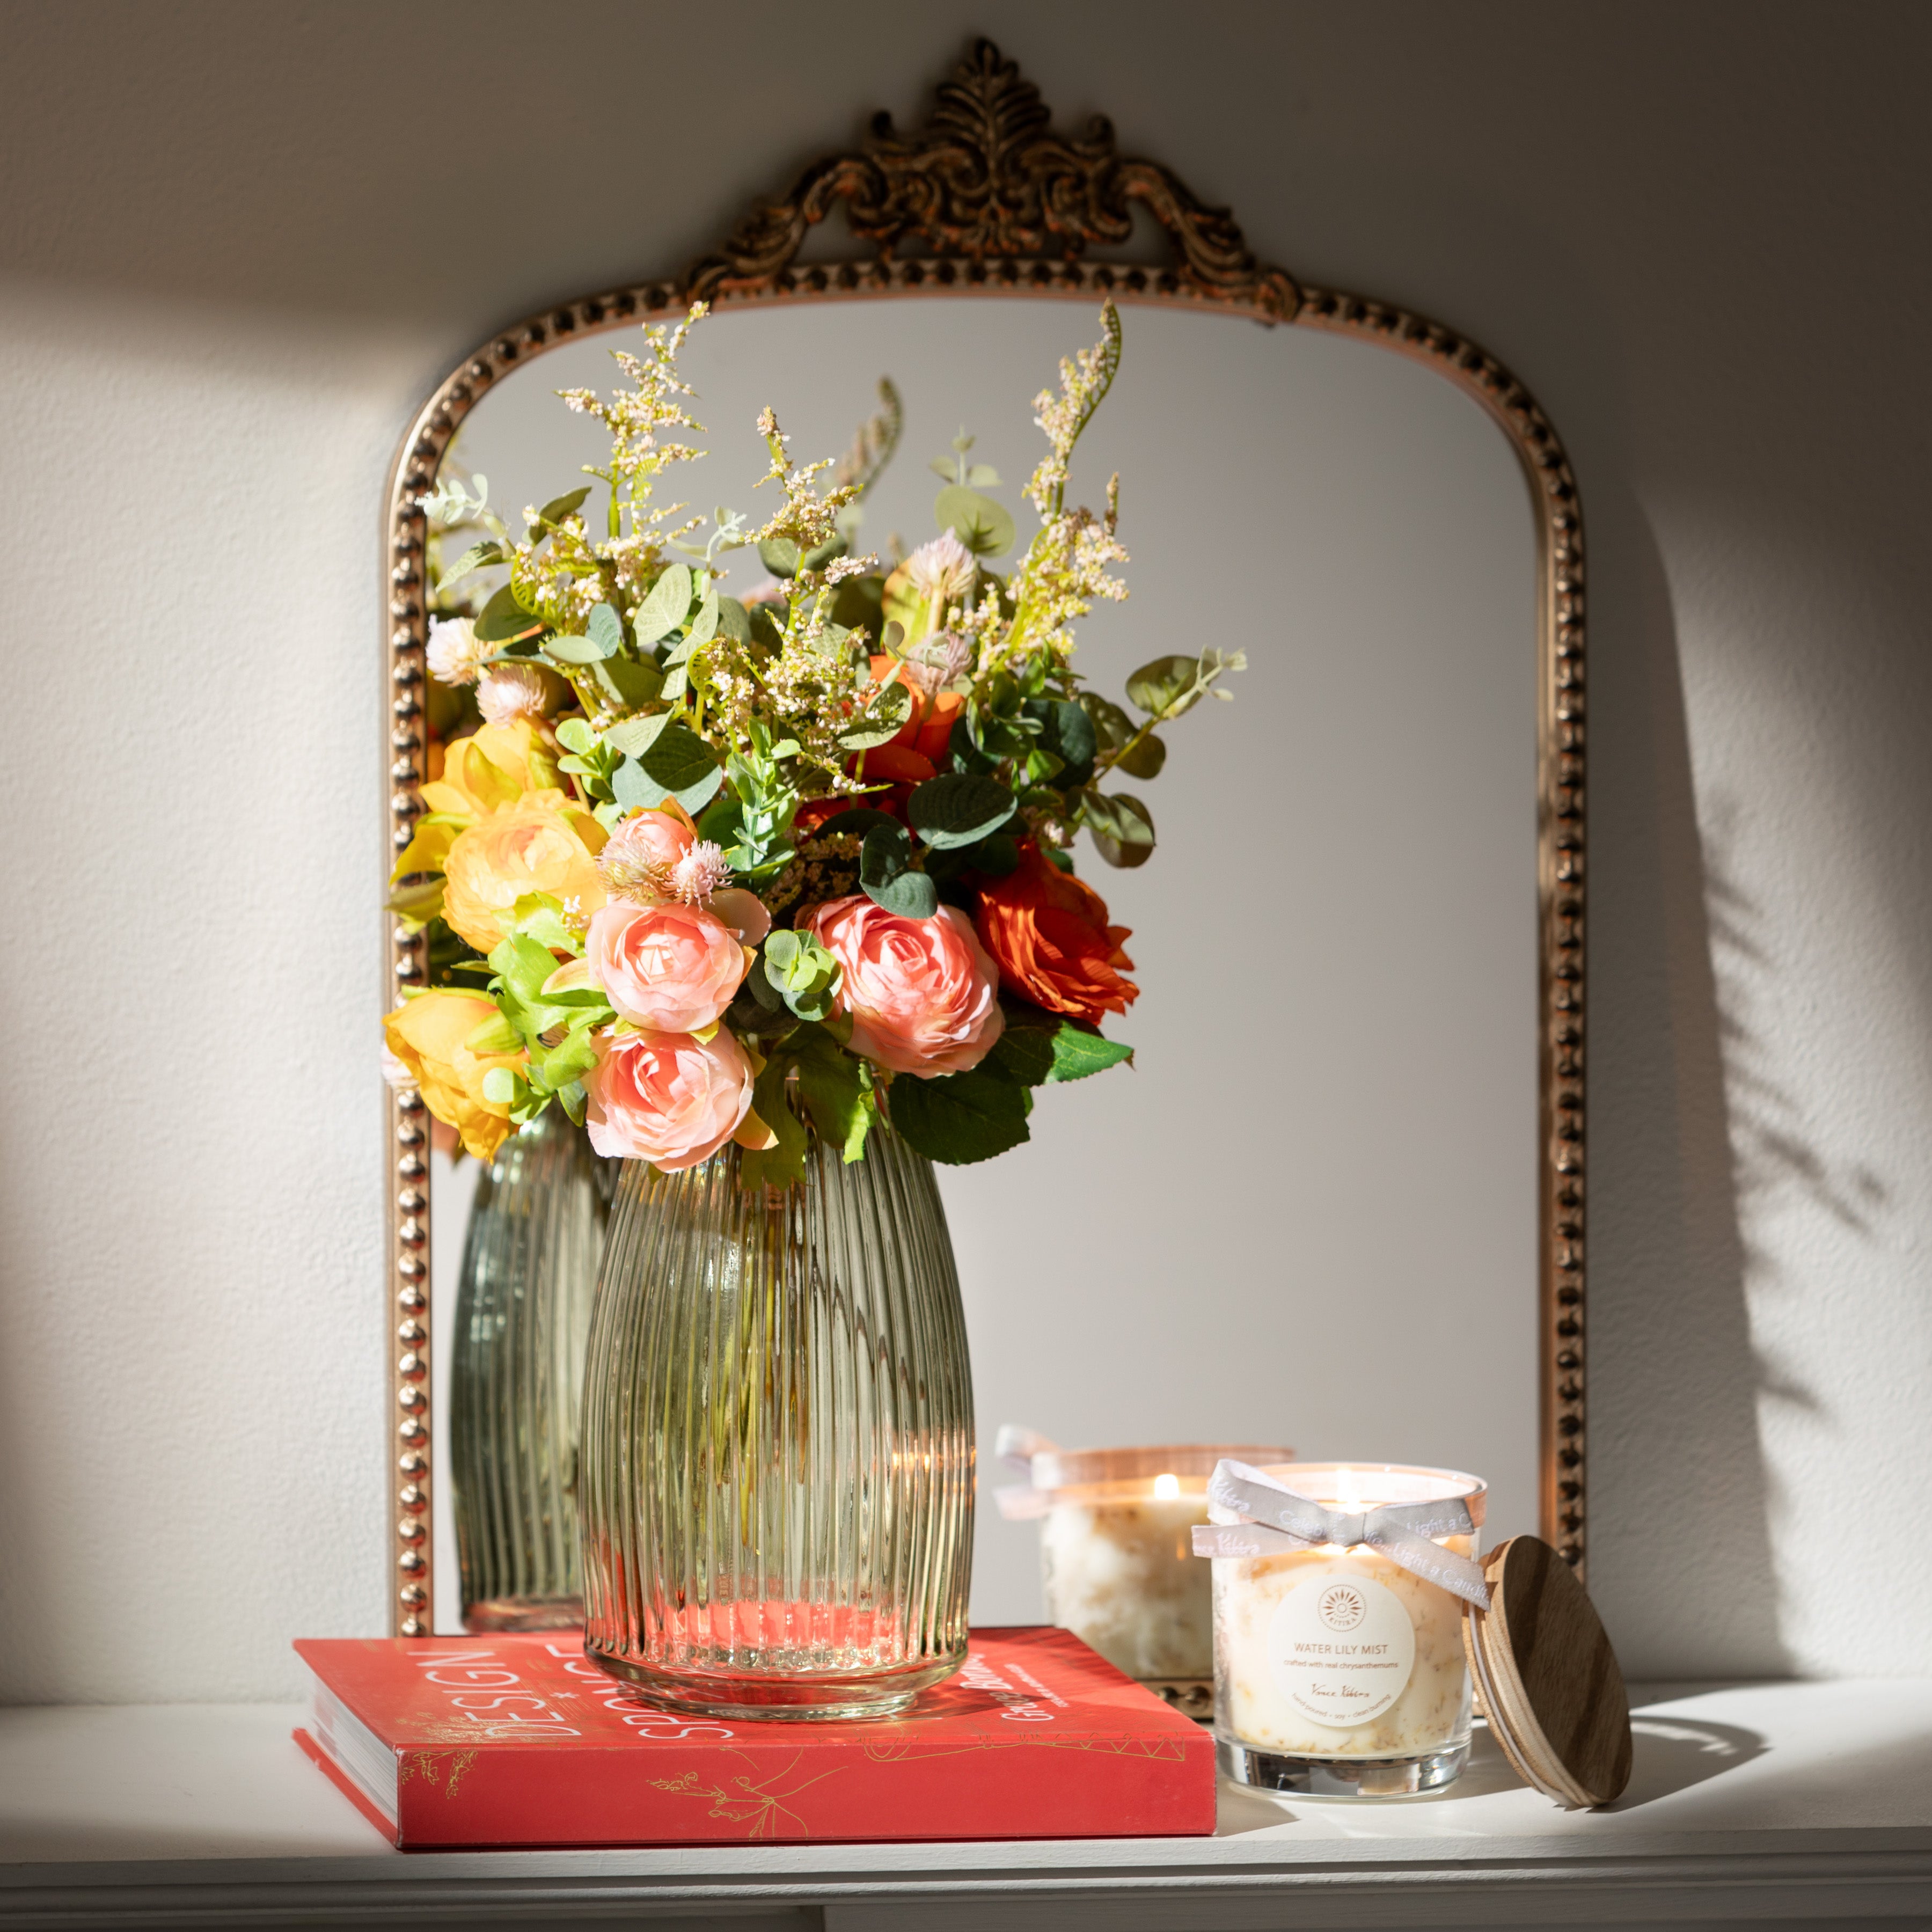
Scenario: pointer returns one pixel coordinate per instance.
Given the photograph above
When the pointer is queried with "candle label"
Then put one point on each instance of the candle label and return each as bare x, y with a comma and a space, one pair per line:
1341, 1648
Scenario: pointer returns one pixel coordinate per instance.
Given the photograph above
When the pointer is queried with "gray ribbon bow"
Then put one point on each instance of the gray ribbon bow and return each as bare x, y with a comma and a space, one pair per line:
1276, 1518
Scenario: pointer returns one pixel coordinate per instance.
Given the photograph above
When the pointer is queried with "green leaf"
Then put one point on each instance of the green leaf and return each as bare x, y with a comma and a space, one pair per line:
856, 822
575, 734
734, 620
633, 787
885, 876
573, 650
890, 707
836, 1090
777, 1166
634, 736
1165, 688
704, 625
779, 555
572, 1059
540, 917
606, 628
803, 971
474, 558
504, 619
959, 1118
1023, 1054
676, 758
663, 609
631, 681
420, 904
558, 507
496, 1035
959, 809
1123, 827
1079, 1051
1066, 731
981, 525
499, 1087
1145, 759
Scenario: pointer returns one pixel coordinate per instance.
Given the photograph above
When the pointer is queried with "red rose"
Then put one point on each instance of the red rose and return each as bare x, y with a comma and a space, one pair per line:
1048, 935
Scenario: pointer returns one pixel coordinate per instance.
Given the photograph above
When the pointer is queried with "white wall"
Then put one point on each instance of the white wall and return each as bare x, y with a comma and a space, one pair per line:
231, 271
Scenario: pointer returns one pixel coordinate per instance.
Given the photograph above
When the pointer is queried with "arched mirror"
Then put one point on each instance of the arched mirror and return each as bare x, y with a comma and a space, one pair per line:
1337, 1202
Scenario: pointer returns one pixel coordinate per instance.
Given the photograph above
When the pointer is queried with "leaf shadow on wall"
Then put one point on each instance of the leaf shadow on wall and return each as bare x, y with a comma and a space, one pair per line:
1680, 1549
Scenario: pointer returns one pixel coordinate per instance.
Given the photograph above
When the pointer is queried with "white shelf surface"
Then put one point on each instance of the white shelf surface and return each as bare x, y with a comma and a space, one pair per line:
1792, 1804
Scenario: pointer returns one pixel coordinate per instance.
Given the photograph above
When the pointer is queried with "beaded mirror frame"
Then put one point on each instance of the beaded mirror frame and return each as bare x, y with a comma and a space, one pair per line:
986, 198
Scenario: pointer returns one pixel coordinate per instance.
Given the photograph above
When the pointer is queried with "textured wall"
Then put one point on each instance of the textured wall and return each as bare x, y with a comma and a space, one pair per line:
239, 243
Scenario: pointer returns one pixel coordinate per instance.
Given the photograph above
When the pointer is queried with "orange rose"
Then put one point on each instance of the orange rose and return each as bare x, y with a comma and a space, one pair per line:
1048, 934
542, 844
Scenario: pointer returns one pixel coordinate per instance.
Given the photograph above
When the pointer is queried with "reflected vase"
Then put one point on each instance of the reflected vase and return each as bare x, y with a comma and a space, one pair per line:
777, 1440
523, 1317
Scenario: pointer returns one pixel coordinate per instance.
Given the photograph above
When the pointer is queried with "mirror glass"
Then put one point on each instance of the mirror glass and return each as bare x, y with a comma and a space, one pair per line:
1307, 1214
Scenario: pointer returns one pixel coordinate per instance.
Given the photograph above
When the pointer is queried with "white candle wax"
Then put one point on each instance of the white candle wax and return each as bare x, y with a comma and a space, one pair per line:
1121, 1575
1336, 1653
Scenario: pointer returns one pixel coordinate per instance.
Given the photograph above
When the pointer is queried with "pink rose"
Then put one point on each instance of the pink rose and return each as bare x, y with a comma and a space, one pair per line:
923, 996
671, 967
666, 1097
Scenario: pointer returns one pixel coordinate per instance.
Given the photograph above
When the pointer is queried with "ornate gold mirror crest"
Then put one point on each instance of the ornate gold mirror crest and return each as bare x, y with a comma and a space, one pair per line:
987, 198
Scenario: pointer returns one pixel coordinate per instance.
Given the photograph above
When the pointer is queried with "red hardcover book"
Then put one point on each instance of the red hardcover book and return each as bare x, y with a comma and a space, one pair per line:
443, 1742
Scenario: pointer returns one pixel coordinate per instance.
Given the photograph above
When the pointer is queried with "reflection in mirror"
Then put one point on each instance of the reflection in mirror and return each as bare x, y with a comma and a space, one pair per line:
1309, 1212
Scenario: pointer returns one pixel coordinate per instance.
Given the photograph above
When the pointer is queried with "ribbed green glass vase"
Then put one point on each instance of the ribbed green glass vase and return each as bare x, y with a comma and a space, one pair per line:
523, 1317
777, 1440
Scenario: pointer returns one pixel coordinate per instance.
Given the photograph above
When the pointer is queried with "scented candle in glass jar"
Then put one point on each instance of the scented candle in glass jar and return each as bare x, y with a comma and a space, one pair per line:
1117, 1555
1339, 1591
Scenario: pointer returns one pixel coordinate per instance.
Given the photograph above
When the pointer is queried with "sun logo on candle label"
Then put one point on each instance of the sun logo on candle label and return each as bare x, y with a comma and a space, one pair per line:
1341, 1607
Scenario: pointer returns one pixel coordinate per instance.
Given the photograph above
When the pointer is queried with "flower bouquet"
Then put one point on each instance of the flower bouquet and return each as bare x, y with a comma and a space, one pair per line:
775, 894
712, 870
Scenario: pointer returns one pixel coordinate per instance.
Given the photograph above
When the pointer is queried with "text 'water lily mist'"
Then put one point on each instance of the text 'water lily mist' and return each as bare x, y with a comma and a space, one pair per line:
705, 871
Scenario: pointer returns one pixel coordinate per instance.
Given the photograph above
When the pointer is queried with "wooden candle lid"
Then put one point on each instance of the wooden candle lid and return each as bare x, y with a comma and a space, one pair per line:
1549, 1678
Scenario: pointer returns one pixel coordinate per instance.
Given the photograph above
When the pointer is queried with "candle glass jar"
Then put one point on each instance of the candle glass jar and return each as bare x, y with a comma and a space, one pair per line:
1116, 1562
1337, 1672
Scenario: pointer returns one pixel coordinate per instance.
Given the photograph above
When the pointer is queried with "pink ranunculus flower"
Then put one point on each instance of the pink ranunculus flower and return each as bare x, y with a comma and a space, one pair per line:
644, 850
671, 967
923, 996
668, 1098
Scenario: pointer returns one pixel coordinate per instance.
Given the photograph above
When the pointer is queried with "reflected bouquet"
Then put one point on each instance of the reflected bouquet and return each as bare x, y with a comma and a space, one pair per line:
699, 868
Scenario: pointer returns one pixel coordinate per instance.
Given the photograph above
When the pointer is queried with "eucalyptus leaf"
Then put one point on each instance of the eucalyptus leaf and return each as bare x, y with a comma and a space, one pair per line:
665, 607
1145, 759
631, 681
734, 620
885, 877
474, 558
504, 619
575, 734
1165, 688
558, 507
779, 555
635, 735
881, 720
575, 651
1122, 828
606, 628
704, 625
959, 809
984, 527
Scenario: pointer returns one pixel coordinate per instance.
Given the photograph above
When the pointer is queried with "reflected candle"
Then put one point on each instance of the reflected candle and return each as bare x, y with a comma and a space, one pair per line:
1117, 1557
1339, 1670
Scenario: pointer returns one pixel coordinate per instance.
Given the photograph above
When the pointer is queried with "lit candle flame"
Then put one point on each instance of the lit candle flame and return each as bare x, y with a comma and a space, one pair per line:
1166, 1488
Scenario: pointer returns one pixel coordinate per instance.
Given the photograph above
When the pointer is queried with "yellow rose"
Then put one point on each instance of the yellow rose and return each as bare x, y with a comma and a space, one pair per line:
495, 766
542, 844
427, 1035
